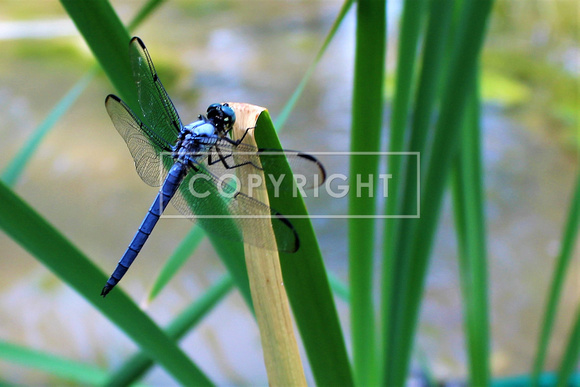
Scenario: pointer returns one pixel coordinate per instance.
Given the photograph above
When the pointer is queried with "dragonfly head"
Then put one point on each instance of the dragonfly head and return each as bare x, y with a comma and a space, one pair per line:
222, 116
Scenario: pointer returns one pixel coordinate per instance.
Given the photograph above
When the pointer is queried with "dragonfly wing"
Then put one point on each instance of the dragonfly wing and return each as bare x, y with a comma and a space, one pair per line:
145, 146
156, 106
308, 171
223, 211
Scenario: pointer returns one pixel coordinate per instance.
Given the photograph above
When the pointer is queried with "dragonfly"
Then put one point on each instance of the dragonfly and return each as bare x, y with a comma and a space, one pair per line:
189, 163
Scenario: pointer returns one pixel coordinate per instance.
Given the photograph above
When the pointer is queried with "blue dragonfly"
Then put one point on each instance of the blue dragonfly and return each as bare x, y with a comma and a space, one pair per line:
190, 162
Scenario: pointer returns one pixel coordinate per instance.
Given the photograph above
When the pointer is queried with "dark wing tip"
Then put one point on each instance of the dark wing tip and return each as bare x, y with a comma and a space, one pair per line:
303, 155
297, 244
287, 248
317, 162
138, 40
112, 96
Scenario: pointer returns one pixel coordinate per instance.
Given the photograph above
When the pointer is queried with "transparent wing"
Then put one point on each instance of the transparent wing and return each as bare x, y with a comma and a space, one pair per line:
224, 157
307, 170
145, 146
156, 106
203, 195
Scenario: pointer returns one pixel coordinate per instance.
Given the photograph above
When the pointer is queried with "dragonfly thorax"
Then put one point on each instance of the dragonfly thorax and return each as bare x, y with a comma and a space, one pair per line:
195, 139
199, 128
202, 134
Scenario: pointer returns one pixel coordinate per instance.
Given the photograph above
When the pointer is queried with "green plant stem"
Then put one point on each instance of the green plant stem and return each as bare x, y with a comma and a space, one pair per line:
571, 354
65, 368
144, 13
285, 113
470, 226
437, 35
367, 108
13, 171
411, 25
469, 43
561, 268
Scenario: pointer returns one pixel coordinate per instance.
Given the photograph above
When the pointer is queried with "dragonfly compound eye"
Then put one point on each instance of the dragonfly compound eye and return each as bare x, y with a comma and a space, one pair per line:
229, 116
221, 115
213, 109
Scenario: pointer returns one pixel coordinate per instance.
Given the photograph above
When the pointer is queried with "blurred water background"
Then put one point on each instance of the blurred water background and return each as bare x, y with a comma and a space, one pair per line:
83, 180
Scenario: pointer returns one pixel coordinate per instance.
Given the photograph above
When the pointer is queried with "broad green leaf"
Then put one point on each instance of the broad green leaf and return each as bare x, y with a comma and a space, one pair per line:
306, 282
108, 40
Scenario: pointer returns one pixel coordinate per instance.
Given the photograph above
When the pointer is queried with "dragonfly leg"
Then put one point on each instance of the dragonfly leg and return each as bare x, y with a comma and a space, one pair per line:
223, 160
240, 140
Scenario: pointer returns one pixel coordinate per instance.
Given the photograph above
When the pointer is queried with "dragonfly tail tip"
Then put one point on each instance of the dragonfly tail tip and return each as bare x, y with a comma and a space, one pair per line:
106, 290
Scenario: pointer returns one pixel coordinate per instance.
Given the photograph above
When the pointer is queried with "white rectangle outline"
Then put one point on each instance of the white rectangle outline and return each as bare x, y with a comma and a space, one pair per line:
417, 216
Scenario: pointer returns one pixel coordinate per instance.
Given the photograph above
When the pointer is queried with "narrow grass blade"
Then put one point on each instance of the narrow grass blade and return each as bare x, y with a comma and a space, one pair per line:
338, 287
469, 214
367, 116
562, 267
283, 116
398, 233
306, 283
65, 368
177, 259
469, 42
411, 26
144, 13
54, 251
571, 354
395, 262
137, 365
19, 162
